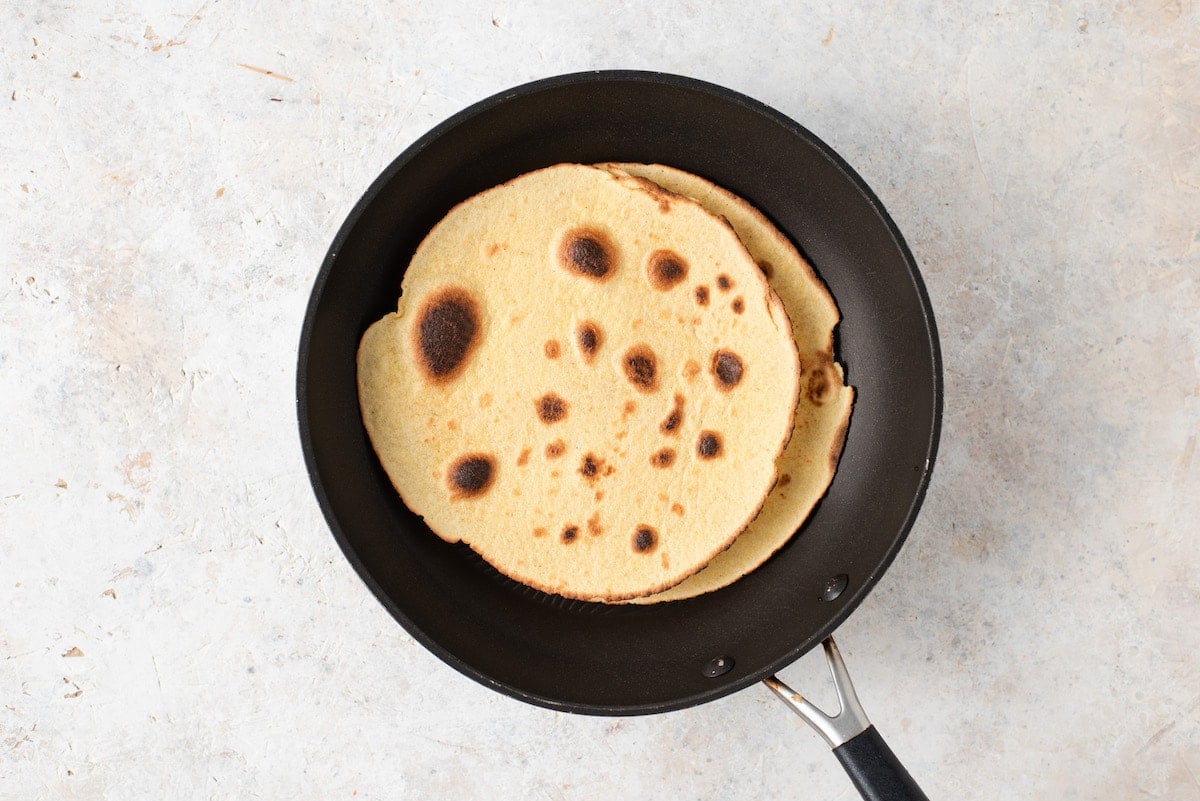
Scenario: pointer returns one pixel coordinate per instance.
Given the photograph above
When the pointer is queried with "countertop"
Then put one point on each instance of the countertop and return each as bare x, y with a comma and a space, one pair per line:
177, 620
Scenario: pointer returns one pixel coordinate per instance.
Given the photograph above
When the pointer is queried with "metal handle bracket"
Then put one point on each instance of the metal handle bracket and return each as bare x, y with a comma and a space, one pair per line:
850, 720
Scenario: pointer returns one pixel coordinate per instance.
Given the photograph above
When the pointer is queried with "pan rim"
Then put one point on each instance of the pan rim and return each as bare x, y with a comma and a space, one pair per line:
861, 589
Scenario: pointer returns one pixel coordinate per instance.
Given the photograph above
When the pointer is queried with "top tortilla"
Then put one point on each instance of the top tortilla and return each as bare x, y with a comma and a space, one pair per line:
587, 380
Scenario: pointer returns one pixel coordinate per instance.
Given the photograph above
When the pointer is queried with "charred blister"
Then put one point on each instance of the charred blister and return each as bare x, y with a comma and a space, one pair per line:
665, 269
471, 475
588, 252
674, 419
589, 467
569, 534
701, 293
724, 282
446, 330
589, 337
641, 368
727, 369
709, 445
645, 539
551, 408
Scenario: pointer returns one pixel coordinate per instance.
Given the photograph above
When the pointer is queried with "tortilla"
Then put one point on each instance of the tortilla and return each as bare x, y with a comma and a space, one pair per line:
587, 380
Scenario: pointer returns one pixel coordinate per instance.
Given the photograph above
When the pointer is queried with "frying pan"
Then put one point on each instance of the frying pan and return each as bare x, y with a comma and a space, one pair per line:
630, 659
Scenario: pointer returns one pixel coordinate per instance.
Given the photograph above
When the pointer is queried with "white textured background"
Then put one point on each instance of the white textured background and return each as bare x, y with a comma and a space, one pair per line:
176, 621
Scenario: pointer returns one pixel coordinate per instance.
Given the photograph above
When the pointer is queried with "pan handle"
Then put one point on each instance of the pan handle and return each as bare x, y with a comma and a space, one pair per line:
871, 765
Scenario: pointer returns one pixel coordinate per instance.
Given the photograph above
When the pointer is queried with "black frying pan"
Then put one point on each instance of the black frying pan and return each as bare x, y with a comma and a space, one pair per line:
622, 660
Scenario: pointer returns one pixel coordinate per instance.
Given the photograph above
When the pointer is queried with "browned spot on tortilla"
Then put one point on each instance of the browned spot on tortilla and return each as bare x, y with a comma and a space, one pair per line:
591, 467
661, 195
645, 538
702, 295
727, 369
590, 338
666, 563
555, 449
593, 525
664, 457
445, 331
493, 249
629, 408
588, 468
818, 386
665, 269
552, 349
691, 369
785, 479
471, 475
599, 495
569, 533
641, 368
523, 459
588, 252
738, 305
724, 282
677, 509
674, 419
540, 532
766, 268
485, 400
551, 408
708, 445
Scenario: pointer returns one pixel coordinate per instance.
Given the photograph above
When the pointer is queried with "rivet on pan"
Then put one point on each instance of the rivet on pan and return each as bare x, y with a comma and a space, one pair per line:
718, 666
834, 587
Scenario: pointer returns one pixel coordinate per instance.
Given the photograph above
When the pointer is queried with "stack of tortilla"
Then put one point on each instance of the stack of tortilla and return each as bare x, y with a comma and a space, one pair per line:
613, 382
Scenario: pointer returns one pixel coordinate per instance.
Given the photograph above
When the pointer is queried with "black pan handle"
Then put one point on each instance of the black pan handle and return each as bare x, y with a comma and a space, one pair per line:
871, 765
874, 769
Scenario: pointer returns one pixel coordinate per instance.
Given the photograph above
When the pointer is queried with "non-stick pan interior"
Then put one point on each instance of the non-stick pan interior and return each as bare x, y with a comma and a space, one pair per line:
622, 660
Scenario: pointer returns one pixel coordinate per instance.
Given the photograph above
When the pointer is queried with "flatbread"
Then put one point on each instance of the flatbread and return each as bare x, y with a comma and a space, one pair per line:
587, 380
807, 464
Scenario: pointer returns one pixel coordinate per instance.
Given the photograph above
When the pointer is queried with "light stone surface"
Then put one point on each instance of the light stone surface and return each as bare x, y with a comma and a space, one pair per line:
176, 621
